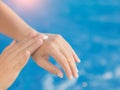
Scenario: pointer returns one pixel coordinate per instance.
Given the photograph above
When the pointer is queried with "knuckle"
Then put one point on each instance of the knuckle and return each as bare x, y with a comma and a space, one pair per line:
56, 38
51, 44
71, 62
65, 63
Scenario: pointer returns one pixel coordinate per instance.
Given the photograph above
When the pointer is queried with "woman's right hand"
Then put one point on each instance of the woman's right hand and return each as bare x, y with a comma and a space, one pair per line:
15, 57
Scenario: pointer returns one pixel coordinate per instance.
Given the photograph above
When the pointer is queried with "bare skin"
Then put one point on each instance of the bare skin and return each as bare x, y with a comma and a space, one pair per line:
55, 46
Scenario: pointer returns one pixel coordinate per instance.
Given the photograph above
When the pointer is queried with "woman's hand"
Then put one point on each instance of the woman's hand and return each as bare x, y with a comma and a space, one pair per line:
61, 51
15, 57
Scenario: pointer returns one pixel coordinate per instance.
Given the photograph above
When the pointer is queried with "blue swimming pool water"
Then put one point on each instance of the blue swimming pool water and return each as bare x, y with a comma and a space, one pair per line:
92, 27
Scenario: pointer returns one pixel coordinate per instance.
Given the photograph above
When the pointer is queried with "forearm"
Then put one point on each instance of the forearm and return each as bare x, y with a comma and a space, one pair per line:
11, 24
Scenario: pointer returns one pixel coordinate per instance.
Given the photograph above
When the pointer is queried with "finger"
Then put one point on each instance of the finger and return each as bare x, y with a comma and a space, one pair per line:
10, 46
68, 54
76, 58
45, 64
71, 62
25, 44
73, 52
17, 64
60, 58
21, 60
34, 46
36, 41
29, 36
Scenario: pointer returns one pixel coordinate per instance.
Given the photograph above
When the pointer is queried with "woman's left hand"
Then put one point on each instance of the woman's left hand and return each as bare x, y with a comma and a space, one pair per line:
61, 51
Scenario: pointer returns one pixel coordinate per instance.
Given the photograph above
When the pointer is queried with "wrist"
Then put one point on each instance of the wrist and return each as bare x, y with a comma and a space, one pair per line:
27, 32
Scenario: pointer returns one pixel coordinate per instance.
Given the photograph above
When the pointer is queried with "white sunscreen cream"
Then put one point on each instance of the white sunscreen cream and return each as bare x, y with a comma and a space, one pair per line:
45, 37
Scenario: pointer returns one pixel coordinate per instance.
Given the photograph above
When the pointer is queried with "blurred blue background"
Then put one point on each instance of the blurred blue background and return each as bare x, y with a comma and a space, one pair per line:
92, 27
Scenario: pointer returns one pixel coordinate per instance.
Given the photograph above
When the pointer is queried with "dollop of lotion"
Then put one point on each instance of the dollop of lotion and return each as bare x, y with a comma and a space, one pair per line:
45, 37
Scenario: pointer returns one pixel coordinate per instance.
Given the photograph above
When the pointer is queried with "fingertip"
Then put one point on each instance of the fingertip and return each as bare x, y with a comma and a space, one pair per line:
71, 77
27, 56
39, 41
27, 53
79, 61
41, 35
13, 42
60, 74
77, 70
76, 57
76, 75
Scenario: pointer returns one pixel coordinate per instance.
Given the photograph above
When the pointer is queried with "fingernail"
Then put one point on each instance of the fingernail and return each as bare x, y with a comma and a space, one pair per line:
45, 37
77, 70
40, 41
13, 43
76, 75
79, 61
71, 77
59, 74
